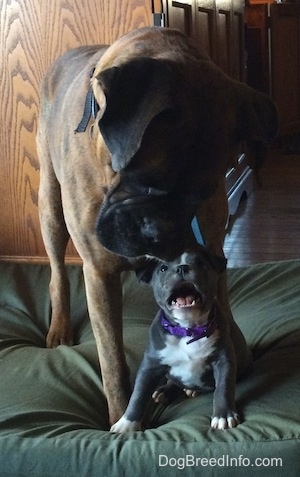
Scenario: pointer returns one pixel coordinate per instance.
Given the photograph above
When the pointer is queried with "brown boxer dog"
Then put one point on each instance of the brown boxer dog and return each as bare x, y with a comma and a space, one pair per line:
135, 139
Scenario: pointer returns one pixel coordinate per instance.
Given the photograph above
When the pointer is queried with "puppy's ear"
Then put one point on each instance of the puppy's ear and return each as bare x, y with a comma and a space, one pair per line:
135, 92
144, 273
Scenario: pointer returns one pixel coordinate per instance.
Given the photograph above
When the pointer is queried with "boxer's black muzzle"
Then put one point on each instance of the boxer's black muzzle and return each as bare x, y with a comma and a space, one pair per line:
156, 224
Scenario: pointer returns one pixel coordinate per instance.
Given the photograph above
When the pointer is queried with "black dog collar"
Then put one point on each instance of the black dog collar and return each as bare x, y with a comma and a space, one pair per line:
197, 332
91, 108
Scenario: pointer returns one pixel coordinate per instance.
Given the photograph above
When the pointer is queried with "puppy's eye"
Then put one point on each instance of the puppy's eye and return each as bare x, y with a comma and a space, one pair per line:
163, 268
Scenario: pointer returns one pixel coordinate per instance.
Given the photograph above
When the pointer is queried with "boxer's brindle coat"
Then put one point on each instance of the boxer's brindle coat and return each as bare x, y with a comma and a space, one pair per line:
155, 154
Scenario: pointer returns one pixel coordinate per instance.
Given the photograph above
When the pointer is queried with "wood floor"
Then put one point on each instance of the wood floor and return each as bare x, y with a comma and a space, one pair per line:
266, 226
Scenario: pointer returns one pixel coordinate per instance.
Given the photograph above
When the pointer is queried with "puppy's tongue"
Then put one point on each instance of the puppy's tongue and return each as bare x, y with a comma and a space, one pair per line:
185, 301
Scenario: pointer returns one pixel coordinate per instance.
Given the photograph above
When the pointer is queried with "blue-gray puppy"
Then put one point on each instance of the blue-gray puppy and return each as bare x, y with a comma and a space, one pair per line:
190, 341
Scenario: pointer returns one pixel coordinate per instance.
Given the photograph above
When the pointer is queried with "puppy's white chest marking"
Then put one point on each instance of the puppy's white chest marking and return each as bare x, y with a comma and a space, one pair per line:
188, 362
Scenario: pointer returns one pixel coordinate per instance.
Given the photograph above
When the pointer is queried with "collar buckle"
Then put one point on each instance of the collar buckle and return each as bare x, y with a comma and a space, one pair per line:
91, 108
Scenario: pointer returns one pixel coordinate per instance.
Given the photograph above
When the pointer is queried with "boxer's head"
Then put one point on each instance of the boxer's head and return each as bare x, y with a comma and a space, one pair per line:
172, 122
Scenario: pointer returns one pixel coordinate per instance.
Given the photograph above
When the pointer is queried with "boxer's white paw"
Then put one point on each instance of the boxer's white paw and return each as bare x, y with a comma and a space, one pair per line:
225, 423
124, 425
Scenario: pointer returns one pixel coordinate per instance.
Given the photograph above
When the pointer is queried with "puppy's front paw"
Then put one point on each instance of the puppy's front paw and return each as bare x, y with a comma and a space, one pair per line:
232, 420
166, 393
191, 393
124, 425
159, 397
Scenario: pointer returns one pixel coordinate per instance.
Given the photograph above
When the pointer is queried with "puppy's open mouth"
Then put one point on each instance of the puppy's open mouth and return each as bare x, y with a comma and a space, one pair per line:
184, 295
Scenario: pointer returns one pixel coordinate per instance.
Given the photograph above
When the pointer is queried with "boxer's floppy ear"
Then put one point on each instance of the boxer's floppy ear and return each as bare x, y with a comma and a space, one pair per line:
258, 118
135, 93
257, 122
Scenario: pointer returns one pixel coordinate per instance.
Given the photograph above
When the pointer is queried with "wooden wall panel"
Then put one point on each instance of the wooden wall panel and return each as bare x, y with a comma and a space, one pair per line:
257, 45
21, 63
217, 25
33, 33
224, 39
181, 16
238, 54
285, 70
206, 26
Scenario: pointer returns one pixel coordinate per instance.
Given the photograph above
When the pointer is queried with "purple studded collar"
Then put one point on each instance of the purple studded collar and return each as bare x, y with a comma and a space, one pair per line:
196, 332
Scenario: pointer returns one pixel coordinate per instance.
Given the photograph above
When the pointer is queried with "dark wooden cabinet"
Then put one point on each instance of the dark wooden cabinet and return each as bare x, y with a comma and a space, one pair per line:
273, 57
217, 25
285, 64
